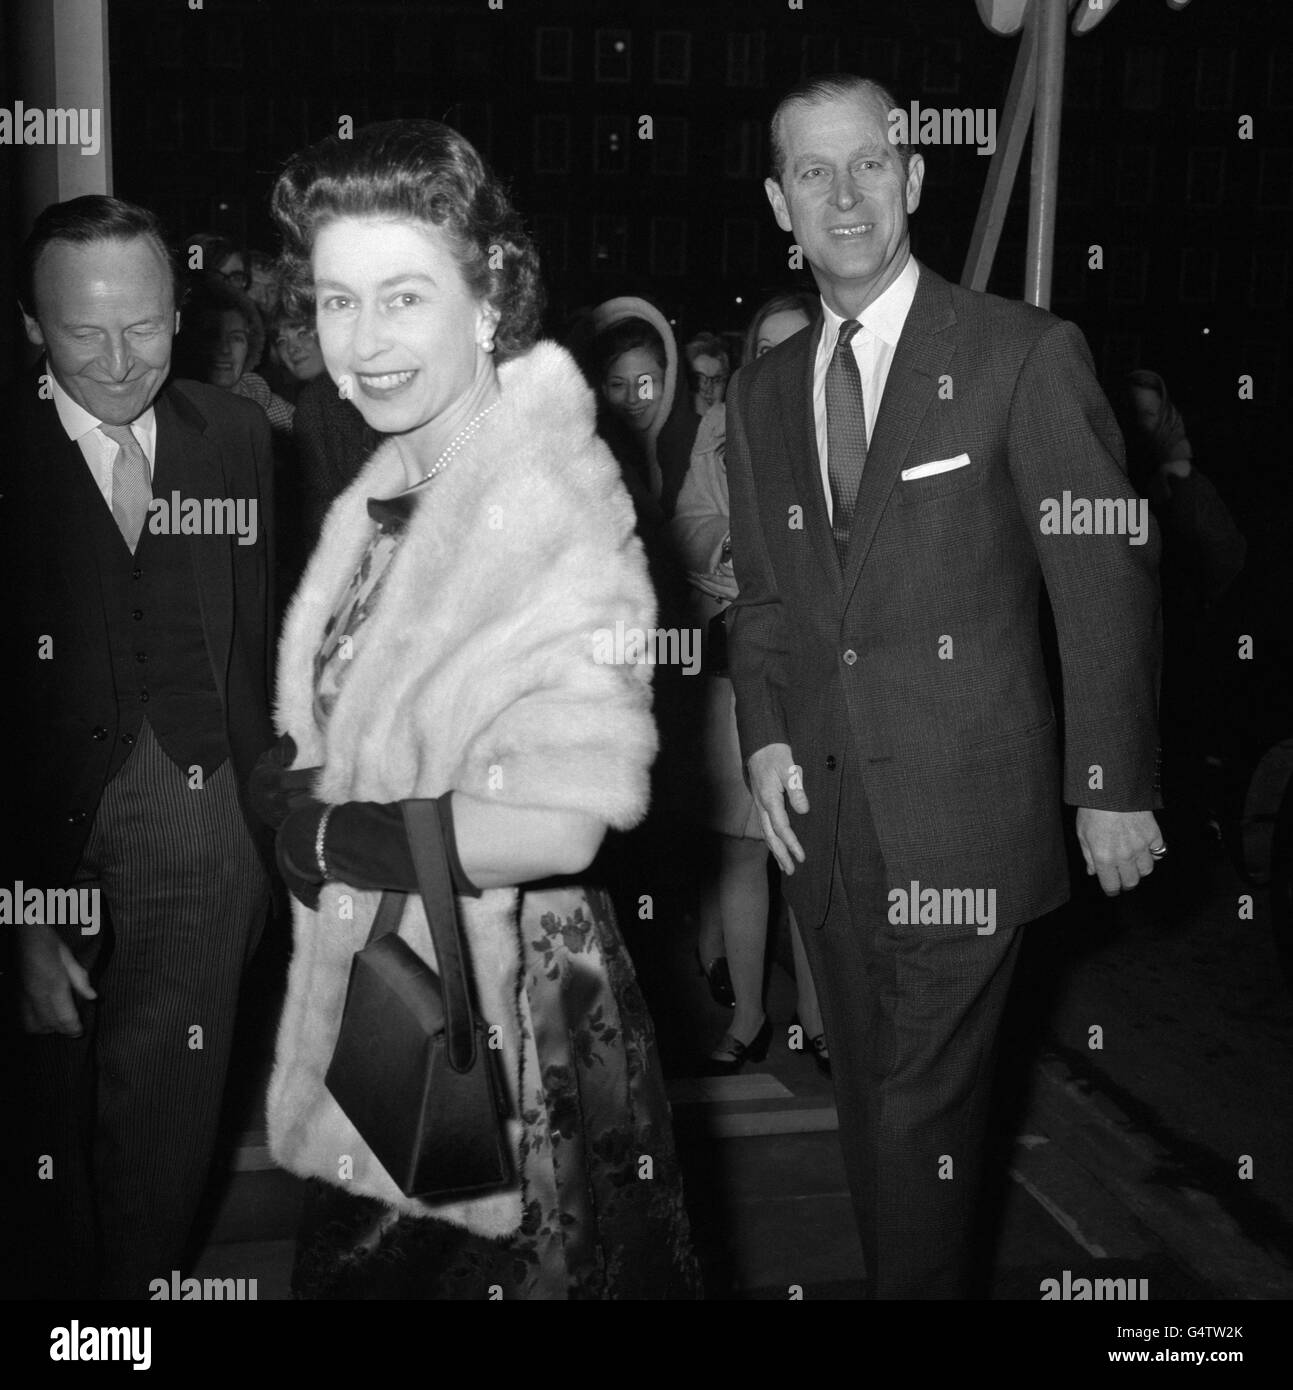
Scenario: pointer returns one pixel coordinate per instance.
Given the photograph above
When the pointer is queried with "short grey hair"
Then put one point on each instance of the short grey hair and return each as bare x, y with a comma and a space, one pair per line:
815, 89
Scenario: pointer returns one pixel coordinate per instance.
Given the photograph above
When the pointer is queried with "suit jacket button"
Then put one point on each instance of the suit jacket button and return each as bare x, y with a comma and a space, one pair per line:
830, 762
128, 740
850, 657
143, 697
138, 615
76, 818
99, 733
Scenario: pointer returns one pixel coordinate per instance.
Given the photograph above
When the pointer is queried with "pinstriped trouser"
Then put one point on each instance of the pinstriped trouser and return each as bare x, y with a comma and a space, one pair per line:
129, 1110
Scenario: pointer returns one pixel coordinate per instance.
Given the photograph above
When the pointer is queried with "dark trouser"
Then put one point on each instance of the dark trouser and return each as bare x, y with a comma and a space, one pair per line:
128, 1111
911, 1013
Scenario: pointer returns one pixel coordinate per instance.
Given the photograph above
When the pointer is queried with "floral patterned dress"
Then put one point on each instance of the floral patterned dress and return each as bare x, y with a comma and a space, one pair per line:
603, 1213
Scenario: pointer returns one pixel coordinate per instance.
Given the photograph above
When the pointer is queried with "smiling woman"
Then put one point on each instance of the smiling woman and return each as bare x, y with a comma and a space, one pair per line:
438, 651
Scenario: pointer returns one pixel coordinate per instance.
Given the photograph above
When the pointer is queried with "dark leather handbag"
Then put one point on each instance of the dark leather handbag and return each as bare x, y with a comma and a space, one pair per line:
412, 1068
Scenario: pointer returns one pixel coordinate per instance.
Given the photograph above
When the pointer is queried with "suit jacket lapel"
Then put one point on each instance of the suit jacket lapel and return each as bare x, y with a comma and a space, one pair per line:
922, 355
195, 469
800, 425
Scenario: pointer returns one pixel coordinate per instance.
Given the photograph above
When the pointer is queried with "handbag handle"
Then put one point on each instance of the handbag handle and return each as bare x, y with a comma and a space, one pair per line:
426, 844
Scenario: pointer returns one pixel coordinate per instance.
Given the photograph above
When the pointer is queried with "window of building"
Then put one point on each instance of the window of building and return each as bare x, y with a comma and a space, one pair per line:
668, 246
1205, 178
551, 144
673, 57
745, 60
475, 120
1275, 179
818, 53
224, 41
228, 120
1135, 175
1083, 72
610, 242
1215, 79
740, 248
1279, 90
1198, 275
669, 146
1270, 277
552, 234
1142, 79
941, 68
1126, 267
742, 149
553, 54
612, 55
611, 145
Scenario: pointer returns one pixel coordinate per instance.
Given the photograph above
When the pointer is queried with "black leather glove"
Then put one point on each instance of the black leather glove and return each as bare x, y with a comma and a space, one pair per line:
365, 845
295, 853
275, 788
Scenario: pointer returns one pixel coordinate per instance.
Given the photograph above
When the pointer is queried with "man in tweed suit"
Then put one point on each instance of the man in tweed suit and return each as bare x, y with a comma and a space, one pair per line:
140, 668
894, 490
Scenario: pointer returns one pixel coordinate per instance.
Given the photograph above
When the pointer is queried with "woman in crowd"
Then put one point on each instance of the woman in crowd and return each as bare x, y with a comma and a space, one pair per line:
442, 647
636, 366
734, 912
709, 367
221, 340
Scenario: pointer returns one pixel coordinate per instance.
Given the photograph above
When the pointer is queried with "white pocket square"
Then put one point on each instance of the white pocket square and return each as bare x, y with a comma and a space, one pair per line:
927, 470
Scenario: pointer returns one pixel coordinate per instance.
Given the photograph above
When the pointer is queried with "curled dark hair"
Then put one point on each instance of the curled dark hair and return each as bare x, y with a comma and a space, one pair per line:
421, 171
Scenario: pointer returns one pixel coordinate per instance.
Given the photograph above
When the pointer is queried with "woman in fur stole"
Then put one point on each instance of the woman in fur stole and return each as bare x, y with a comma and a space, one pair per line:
459, 634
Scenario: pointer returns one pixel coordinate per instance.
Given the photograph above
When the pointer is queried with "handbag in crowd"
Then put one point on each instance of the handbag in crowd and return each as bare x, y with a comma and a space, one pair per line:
412, 1068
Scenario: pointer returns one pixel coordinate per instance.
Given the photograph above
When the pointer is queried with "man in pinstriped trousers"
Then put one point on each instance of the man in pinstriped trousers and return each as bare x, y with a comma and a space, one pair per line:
140, 661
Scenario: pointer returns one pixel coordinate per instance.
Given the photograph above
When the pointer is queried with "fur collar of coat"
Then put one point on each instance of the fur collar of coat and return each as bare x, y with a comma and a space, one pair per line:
475, 672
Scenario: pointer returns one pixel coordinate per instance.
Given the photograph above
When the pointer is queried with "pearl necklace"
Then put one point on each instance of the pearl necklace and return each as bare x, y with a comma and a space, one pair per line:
458, 441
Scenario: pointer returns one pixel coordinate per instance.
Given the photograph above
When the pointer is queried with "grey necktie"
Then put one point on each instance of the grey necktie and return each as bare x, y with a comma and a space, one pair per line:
132, 484
845, 434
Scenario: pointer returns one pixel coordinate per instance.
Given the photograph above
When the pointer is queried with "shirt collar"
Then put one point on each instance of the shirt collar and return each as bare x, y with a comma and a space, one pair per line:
885, 316
78, 422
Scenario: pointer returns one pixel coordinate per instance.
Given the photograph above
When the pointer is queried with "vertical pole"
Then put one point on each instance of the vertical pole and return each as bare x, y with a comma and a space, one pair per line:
63, 62
1049, 16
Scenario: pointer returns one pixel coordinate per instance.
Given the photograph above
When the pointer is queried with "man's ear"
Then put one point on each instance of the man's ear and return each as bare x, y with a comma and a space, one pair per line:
778, 200
32, 329
915, 180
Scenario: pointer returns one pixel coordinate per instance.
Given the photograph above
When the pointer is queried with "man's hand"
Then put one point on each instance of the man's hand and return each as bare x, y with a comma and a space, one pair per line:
50, 976
772, 774
1116, 845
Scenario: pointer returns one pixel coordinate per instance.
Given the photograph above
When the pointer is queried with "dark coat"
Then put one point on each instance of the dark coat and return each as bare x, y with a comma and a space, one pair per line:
918, 664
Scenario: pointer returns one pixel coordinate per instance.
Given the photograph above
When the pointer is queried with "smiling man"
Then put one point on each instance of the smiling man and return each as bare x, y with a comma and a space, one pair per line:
887, 466
140, 661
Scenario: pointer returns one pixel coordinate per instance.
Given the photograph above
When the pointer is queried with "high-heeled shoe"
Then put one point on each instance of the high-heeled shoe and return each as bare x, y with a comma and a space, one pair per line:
719, 980
816, 1046
738, 1052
